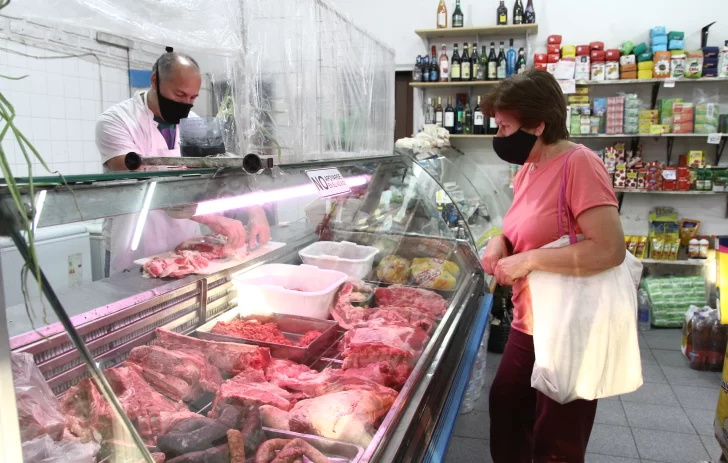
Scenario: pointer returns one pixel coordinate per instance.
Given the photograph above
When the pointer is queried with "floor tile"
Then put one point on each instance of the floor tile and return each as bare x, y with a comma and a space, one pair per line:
663, 339
658, 417
688, 377
647, 357
489, 376
612, 440
481, 405
474, 424
702, 420
642, 341
595, 458
669, 447
697, 397
464, 450
493, 360
610, 412
652, 393
670, 358
711, 445
652, 374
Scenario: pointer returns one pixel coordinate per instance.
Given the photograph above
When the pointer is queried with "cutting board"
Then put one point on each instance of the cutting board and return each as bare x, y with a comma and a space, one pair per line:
218, 265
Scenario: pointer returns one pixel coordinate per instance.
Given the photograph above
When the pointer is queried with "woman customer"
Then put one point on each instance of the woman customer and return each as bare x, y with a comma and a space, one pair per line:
530, 111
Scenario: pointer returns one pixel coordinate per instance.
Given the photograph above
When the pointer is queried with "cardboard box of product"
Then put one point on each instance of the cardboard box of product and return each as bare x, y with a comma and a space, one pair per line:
624, 75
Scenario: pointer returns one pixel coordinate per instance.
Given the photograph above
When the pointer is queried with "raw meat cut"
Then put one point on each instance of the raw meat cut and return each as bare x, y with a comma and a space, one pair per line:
410, 316
209, 247
176, 265
344, 312
380, 341
259, 330
274, 417
39, 411
231, 358
379, 372
334, 380
140, 402
284, 372
404, 296
250, 388
349, 415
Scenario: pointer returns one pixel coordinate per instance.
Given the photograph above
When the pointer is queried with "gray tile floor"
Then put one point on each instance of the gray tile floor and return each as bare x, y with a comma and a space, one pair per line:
668, 420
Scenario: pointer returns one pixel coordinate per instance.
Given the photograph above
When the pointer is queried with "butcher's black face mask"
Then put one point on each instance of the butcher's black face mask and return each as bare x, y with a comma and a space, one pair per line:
515, 148
172, 111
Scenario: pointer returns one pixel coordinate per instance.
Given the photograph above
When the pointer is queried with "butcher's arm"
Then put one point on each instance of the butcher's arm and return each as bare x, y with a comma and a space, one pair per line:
602, 247
114, 141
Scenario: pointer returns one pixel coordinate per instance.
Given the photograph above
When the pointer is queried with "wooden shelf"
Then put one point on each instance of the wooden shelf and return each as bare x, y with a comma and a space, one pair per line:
662, 192
482, 32
467, 83
689, 263
470, 136
597, 83
648, 135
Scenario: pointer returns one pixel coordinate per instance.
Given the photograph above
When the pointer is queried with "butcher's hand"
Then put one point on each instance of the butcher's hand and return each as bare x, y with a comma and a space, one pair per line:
232, 229
496, 250
259, 227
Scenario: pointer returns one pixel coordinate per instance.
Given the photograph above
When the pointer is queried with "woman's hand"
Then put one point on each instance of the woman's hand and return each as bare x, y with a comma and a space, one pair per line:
221, 225
510, 269
496, 250
259, 227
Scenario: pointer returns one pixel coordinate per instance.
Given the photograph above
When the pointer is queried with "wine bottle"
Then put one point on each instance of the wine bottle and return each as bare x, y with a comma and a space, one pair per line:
478, 121
475, 60
518, 12
439, 112
442, 15
502, 14
492, 63
521, 63
429, 112
449, 116
444, 65
468, 124
455, 65
501, 69
417, 70
457, 16
459, 117
465, 64
529, 15
434, 67
483, 68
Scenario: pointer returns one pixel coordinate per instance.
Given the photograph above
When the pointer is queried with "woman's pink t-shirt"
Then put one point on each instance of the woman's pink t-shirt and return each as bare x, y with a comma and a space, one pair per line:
532, 220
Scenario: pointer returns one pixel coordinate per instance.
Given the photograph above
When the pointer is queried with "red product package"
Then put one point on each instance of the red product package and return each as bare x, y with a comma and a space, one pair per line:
683, 172
683, 184
554, 58
582, 50
597, 55
554, 48
669, 178
542, 66
596, 46
540, 58
612, 55
554, 39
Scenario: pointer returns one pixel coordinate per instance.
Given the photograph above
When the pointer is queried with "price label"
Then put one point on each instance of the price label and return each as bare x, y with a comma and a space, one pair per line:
669, 83
714, 138
328, 182
669, 174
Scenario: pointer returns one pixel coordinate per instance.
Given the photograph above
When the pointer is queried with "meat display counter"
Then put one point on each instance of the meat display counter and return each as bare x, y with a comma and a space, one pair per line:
199, 355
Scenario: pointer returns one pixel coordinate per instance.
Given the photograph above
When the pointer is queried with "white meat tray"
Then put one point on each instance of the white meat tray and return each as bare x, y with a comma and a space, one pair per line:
218, 265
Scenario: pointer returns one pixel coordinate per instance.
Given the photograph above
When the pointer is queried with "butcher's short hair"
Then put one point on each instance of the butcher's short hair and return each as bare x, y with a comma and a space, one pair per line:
164, 65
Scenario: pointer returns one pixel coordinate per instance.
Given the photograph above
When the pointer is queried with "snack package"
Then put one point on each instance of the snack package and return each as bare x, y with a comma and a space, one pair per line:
689, 229
631, 244
394, 269
433, 273
641, 249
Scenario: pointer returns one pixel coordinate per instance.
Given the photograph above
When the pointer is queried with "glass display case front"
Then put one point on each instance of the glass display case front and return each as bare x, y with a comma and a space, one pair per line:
305, 311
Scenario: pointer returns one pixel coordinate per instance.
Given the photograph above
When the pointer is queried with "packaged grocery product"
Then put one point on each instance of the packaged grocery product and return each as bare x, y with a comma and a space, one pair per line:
612, 54
598, 55
646, 66
718, 341
656, 248
710, 52
657, 31
688, 230
568, 51
645, 74
582, 70
582, 50
686, 345
394, 269
672, 246
628, 59
596, 45
553, 48
541, 66
540, 58
676, 44
631, 181
551, 68
702, 325
659, 40
676, 35
659, 48
554, 39
694, 65
679, 118
628, 75
677, 66
640, 48
632, 244
611, 70
641, 250
553, 58
704, 247
598, 71
709, 63
723, 61
642, 179
694, 248
696, 158
628, 67
434, 273
620, 176
661, 64
646, 56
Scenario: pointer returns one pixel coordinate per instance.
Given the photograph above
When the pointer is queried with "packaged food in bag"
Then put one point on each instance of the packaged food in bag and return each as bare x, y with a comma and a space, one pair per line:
394, 269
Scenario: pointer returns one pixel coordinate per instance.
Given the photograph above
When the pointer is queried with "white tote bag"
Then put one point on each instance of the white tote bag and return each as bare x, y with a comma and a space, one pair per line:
585, 328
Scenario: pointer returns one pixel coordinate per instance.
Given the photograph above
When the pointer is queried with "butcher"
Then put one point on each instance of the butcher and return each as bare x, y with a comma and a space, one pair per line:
148, 124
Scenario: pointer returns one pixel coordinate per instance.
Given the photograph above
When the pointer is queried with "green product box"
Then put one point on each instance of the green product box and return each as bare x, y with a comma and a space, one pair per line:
641, 48
676, 35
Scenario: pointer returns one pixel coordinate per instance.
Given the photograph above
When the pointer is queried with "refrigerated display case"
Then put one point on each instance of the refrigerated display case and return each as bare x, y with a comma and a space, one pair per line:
79, 339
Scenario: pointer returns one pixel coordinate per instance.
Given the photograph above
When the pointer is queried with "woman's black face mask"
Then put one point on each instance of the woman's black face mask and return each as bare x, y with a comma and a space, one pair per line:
515, 148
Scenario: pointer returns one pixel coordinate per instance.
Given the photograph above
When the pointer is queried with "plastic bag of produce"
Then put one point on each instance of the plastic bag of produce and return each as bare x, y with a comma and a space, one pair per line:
38, 409
585, 328
434, 273
394, 269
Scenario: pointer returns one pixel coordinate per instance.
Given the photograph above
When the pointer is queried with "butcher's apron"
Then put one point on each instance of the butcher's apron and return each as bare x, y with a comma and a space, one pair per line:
161, 233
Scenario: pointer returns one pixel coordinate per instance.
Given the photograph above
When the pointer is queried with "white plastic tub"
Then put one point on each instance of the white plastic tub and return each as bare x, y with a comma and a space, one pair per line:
302, 290
350, 258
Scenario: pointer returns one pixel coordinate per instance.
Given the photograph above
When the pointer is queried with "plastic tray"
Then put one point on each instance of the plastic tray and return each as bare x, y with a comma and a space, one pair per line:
372, 279
353, 259
293, 328
336, 451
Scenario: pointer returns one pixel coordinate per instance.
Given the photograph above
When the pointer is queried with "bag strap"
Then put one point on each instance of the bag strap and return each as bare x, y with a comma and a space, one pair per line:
563, 203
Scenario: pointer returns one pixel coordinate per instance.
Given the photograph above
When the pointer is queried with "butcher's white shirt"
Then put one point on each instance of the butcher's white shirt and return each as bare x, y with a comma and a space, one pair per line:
125, 127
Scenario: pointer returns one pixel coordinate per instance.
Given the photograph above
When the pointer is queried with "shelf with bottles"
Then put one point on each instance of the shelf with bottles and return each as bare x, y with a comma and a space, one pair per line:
490, 31
463, 120
523, 20
656, 135
462, 136
467, 83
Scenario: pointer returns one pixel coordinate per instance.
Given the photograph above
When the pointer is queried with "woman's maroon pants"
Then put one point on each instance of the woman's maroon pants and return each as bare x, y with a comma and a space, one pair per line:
525, 425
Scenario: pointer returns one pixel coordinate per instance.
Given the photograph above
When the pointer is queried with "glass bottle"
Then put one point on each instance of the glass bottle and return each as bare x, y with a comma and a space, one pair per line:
457, 16
518, 12
510, 60
492, 126
442, 15
501, 69
425, 68
434, 68
483, 68
417, 71
459, 117
475, 60
450, 116
465, 64
478, 120
429, 112
468, 124
455, 65
439, 112
529, 15
444, 65
502, 14
492, 63
521, 63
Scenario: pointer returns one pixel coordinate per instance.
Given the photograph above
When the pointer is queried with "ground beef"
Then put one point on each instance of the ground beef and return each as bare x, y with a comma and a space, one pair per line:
260, 331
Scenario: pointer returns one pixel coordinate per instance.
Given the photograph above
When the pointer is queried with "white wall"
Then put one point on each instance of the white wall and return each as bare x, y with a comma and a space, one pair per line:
58, 103
579, 22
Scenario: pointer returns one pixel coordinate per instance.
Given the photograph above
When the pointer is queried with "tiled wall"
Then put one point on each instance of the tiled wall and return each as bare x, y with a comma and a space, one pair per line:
57, 104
